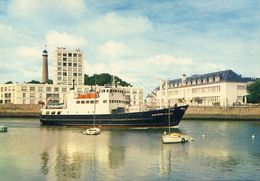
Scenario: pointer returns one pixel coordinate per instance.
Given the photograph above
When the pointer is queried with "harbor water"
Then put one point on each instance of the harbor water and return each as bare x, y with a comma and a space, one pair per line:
221, 150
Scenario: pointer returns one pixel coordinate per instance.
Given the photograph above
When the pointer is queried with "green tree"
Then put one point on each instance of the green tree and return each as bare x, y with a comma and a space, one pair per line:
50, 81
254, 92
34, 82
9, 82
103, 79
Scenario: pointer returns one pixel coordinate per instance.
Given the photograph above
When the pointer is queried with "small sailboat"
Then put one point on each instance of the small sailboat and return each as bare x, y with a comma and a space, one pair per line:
94, 130
174, 137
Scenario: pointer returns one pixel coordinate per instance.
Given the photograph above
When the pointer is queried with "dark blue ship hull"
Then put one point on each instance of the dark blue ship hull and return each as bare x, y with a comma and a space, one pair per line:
155, 118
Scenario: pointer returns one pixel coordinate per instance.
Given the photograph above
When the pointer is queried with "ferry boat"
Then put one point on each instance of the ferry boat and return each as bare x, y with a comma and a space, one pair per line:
107, 107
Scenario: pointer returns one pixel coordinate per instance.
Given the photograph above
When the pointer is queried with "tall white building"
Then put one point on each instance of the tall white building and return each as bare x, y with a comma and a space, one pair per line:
223, 88
68, 65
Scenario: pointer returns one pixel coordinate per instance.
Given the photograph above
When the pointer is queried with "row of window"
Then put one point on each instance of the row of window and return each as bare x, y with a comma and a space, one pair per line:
112, 91
42, 89
206, 89
70, 54
104, 101
69, 69
197, 81
53, 112
67, 78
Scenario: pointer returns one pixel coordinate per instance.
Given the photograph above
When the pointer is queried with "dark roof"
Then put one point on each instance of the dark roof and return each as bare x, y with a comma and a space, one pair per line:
225, 75
44, 51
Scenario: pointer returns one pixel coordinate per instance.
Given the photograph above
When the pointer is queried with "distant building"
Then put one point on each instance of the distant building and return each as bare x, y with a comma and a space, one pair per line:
224, 88
21, 93
68, 65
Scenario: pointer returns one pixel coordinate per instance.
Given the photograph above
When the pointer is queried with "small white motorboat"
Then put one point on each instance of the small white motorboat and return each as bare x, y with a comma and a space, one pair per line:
175, 138
3, 128
92, 131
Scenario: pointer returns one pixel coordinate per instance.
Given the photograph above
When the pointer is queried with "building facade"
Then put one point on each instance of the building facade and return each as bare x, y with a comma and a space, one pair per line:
68, 66
22, 93
223, 88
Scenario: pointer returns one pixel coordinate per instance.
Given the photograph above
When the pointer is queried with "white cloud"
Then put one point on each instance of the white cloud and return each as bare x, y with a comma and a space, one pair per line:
31, 52
113, 49
169, 60
33, 9
114, 24
55, 38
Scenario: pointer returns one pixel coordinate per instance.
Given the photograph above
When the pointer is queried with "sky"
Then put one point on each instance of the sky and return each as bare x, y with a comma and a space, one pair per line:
142, 42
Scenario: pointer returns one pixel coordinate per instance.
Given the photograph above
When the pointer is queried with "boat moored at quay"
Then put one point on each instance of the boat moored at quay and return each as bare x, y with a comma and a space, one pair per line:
107, 106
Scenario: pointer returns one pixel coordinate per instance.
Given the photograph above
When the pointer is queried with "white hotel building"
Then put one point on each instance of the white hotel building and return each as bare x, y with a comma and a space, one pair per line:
224, 88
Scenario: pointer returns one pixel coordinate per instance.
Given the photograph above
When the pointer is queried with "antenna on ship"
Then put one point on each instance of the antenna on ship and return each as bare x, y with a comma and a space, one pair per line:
113, 81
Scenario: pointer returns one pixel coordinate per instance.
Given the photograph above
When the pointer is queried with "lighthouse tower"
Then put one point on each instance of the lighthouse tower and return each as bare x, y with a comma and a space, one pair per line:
44, 66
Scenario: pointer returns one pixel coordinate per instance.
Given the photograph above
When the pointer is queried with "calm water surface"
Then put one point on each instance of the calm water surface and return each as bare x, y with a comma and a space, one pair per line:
30, 151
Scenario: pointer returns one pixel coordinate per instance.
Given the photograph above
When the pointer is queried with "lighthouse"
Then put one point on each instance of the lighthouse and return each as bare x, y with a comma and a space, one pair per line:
44, 66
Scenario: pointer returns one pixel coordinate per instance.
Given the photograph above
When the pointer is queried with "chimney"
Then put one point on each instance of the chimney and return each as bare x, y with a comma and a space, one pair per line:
44, 66
183, 79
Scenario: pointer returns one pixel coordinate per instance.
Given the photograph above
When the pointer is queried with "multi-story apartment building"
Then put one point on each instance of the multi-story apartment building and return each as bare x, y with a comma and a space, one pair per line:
68, 65
224, 88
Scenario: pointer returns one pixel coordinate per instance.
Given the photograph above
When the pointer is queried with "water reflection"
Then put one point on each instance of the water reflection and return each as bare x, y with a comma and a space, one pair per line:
63, 153
117, 150
68, 166
45, 158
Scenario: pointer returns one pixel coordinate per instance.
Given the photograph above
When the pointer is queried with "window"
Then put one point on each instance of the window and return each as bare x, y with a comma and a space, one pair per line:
104, 101
74, 55
70, 64
74, 74
82, 102
64, 54
32, 88
40, 89
59, 112
80, 55
53, 112
77, 102
48, 89
70, 54
64, 73
64, 59
24, 88
64, 64
56, 89
64, 89
74, 64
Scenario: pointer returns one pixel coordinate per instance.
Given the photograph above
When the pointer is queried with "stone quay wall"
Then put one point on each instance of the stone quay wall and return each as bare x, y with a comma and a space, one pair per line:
20, 110
217, 112
193, 112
